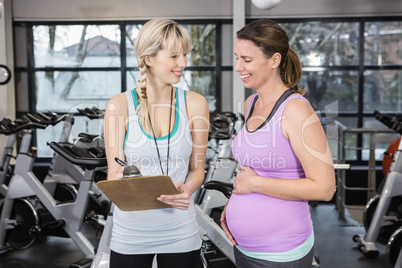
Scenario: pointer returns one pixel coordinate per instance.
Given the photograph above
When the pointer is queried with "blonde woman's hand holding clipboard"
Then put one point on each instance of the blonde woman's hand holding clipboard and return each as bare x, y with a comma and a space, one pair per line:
180, 200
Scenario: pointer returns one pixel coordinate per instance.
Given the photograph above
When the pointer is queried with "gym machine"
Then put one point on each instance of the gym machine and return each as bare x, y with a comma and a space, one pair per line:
383, 213
30, 212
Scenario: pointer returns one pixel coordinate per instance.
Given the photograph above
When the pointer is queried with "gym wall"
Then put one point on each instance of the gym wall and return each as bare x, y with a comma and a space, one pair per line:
183, 9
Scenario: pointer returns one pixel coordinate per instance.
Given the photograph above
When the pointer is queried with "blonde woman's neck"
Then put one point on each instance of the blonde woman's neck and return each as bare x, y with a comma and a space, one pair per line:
158, 94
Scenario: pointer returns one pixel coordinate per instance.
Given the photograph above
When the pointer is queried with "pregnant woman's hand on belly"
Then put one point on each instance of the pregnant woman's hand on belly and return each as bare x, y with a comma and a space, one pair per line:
243, 183
225, 227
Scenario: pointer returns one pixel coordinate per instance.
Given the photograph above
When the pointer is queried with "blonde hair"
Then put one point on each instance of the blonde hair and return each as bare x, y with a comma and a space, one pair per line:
271, 39
156, 35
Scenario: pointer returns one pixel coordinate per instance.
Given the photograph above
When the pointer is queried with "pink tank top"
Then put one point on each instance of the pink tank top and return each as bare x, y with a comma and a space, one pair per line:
259, 222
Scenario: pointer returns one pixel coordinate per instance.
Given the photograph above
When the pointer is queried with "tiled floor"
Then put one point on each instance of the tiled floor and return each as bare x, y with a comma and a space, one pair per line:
55, 252
334, 245
334, 240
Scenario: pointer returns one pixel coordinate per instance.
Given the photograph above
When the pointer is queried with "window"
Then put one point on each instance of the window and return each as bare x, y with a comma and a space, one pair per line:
72, 66
321, 43
351, 67
329, 53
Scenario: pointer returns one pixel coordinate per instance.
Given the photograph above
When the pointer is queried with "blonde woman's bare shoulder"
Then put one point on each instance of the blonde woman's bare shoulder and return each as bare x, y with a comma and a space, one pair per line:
118, 97
197, 113
192, 95
117, 104
196, 104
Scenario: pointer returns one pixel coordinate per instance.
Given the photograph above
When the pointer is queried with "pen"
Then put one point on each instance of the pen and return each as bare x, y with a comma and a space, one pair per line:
121, 163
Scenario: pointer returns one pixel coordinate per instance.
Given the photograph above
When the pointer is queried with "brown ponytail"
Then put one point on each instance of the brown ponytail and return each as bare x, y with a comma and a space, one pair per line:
291, 72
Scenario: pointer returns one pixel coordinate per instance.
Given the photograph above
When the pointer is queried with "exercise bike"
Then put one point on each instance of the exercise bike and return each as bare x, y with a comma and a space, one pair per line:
12, 129
63, 176
30, 213
383, 213
57, 187
7, 127
394, 245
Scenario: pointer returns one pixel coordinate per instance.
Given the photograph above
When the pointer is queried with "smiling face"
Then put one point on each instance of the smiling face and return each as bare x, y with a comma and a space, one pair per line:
161, 48
254, 67
167, 66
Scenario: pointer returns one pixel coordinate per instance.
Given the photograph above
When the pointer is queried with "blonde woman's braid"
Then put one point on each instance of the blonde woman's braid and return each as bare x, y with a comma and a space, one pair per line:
142, 108
143, 80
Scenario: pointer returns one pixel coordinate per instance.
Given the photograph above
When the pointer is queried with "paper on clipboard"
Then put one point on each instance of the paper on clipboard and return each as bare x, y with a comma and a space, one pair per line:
138, 193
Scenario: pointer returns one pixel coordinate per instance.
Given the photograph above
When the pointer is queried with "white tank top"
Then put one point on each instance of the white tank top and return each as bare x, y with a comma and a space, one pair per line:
167, 230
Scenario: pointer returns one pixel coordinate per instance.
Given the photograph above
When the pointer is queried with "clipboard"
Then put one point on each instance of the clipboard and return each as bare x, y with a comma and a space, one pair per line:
138, 193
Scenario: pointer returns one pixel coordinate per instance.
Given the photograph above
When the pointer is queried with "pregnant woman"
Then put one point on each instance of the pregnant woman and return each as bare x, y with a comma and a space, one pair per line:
284, 155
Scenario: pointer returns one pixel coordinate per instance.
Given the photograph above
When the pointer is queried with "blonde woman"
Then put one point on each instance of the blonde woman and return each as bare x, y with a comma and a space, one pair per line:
163, 130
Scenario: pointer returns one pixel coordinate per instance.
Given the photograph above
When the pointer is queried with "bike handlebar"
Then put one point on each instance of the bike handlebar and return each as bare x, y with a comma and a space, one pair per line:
394, 123
223, 187
92, 113
84, 153
49, 118
8, 127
